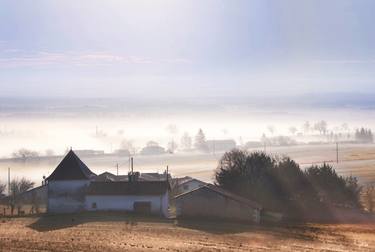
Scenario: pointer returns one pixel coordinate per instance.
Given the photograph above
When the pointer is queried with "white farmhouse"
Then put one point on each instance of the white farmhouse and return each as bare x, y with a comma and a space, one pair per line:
73, 187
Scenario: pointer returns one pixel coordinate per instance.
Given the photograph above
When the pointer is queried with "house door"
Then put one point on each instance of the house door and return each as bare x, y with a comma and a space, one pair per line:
142, 207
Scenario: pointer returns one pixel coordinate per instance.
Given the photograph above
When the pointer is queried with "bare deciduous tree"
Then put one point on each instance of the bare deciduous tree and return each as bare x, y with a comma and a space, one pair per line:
25, 154
2, 188
172, 146
293, 130
17, 187
186, 141
306, 127
321, 126
127, 144
369, 197
345, 127
172, 129
271, 129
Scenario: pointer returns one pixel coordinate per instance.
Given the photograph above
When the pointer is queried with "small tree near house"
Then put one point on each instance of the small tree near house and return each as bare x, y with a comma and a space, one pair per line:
2, 188
368, 197
17, 187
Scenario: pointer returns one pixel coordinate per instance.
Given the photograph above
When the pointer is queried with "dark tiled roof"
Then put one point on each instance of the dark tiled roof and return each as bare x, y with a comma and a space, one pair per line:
128, 188
181, 180
71, 168
107, 177
191, 180
224, 193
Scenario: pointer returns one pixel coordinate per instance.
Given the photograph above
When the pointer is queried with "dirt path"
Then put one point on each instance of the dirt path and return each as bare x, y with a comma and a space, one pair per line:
119, 233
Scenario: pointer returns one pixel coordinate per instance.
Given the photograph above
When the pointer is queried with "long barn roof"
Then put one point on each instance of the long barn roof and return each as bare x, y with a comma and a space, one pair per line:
71, 168
128, 188
224, 193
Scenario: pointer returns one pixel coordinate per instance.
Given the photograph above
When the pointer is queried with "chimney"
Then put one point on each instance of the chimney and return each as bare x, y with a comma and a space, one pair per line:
131, 164
133, 176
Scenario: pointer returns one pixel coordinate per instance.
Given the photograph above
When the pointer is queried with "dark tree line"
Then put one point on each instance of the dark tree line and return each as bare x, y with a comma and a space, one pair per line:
364, 135
279, 184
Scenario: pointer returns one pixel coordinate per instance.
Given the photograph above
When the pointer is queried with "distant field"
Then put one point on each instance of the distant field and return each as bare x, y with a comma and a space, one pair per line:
354, 159
116, 232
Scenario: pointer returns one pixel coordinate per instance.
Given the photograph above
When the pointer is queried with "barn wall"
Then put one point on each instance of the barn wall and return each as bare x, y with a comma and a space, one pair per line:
159, 203
66, 196
208, 204
36, 195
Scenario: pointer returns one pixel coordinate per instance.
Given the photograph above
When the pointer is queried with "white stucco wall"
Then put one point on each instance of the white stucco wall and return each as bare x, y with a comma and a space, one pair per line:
66, 196
159, 203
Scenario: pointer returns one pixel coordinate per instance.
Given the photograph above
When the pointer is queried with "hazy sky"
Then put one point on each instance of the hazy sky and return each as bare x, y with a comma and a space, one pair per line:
185, 48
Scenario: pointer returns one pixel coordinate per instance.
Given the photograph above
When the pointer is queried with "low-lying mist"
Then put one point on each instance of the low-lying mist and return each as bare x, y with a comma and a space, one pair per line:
52, 126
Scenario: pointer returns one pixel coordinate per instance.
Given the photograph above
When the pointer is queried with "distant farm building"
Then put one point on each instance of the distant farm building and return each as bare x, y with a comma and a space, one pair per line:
89, 152
152, 150
220, 145
122, 152
253, 144
210, 201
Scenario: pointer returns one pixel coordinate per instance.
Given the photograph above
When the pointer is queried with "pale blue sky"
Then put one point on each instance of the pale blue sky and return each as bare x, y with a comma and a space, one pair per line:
186, 48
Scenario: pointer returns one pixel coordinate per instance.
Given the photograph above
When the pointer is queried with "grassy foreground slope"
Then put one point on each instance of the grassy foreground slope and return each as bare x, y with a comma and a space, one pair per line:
116, 232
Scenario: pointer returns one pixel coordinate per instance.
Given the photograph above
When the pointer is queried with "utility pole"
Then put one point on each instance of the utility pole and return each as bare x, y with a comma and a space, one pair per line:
117, 168
337, 152
214, 147
131, 165
167, 172
8, 181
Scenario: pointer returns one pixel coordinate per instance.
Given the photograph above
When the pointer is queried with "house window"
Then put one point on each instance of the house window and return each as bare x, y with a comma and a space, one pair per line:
93, 205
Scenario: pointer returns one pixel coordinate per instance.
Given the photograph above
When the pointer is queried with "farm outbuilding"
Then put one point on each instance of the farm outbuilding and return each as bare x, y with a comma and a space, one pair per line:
212, 202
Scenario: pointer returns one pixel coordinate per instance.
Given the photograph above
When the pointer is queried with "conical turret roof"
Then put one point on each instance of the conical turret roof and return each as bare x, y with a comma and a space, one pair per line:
71, 168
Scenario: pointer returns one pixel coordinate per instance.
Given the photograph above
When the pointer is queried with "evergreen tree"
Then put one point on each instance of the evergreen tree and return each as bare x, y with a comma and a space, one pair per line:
200, 141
